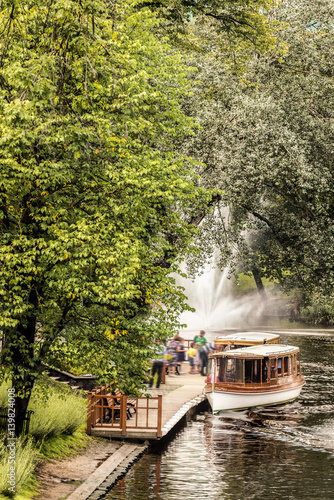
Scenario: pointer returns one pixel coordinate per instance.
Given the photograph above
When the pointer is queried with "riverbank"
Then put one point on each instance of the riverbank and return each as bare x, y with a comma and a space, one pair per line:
59, 478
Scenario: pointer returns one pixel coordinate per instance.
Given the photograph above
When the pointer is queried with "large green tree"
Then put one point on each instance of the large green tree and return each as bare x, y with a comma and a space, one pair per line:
96, 205
91, 193
267, 143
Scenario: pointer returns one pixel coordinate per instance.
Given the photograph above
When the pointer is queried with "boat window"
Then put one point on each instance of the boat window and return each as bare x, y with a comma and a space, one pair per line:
273, 368
253, 371
286, 365
265, 365
230, 370
279, 367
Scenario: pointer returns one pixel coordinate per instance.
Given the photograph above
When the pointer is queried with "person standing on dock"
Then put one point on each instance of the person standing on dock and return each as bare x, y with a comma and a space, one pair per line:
158, 365
192, 351
206, 349
181, 352
201, 341
172, 350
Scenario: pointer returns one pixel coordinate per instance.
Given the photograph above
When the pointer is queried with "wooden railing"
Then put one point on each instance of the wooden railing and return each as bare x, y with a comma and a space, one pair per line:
107, 411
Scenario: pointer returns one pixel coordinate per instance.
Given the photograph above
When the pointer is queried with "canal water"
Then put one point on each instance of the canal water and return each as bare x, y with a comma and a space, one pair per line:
268, 454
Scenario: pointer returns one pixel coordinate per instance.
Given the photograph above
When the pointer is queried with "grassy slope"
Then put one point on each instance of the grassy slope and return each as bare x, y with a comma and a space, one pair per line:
57, 430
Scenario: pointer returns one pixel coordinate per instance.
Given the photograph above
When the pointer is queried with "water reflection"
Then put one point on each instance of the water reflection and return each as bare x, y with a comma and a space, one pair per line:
277, 453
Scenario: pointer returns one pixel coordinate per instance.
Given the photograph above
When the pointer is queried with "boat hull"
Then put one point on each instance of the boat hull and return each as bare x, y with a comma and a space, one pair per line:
222, 401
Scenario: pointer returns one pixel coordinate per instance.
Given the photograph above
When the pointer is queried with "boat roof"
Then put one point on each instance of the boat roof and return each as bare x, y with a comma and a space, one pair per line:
247, 337
258, 351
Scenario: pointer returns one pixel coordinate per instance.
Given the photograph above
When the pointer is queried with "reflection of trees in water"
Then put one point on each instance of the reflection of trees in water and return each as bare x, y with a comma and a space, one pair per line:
142, 482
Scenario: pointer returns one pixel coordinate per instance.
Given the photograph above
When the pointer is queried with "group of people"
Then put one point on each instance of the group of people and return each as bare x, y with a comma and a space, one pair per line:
198, 354
172, 356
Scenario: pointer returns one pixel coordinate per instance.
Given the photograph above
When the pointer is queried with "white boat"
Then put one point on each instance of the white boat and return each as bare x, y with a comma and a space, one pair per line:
245, 339
260, 375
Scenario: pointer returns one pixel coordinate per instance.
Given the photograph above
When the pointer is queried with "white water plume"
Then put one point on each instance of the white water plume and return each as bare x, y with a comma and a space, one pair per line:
216, 309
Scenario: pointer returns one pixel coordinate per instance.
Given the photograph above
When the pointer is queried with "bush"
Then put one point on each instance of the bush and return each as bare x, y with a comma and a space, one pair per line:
59, 414
320, 311
57, 410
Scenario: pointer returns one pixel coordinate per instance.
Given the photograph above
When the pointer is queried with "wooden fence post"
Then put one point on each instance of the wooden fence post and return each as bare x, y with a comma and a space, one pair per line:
123, 411
159, 423
89, 414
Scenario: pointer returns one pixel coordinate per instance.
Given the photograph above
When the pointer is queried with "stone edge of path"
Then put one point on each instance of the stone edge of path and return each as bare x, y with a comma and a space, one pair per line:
101, 480
181, 412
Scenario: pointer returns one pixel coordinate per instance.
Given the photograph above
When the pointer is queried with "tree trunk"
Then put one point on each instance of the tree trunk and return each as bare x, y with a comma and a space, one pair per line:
23, 369
259, 284
296, 309
21, 407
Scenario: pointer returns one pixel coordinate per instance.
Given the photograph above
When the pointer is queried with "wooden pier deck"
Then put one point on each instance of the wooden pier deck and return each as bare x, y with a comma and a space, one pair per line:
180, 395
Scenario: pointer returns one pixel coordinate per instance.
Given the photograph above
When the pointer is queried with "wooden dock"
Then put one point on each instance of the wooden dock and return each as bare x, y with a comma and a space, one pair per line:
179, 396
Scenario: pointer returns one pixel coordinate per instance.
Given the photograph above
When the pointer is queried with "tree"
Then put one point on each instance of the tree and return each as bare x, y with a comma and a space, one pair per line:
243, 22
267, 144
92, 195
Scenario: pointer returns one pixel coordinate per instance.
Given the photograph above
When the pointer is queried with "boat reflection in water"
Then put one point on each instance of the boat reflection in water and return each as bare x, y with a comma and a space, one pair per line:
260, 375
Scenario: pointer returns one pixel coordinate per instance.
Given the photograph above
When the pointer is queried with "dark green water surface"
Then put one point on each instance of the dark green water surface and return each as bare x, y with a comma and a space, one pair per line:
269, 454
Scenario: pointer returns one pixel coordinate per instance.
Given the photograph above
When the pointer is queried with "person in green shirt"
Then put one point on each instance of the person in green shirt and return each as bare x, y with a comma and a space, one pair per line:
201, 341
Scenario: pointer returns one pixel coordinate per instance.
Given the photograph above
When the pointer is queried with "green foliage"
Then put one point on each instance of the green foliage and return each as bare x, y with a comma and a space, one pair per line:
56, 409
56, 416
95, 204
319, 310
64, 445
57, 429
236, 26
28, 455
266, 142
245, 284
4, 394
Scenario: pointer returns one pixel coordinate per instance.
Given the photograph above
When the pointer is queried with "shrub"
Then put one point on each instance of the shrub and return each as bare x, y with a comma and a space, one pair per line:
59, 414
56, 410
320, 310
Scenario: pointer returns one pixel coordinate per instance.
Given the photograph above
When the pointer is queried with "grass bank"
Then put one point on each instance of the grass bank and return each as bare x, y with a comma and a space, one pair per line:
57, 429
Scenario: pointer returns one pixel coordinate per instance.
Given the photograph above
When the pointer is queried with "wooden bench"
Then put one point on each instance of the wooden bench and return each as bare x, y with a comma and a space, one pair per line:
130, 403
114, 405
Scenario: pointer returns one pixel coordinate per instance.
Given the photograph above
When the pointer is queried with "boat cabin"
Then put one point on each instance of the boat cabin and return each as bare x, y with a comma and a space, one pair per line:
263, 365
245, 339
